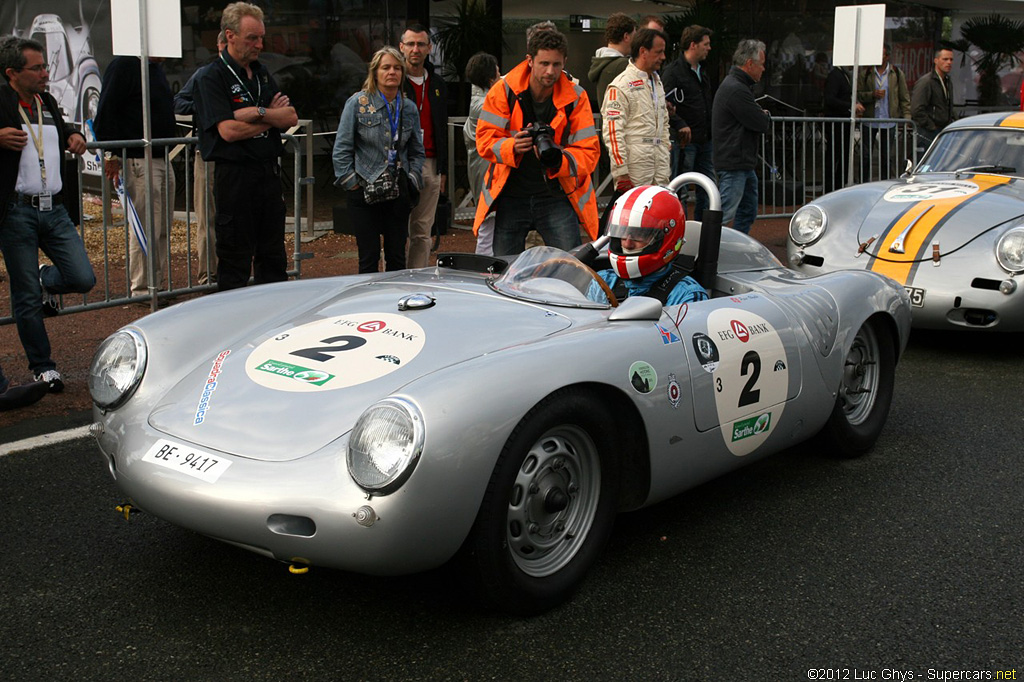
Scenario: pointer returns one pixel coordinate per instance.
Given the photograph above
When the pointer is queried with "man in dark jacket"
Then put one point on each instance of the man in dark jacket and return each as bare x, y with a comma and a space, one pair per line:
931, 102
687, 87
609, 61
430, 94
737, 123
838, 95
33, 137
119, 117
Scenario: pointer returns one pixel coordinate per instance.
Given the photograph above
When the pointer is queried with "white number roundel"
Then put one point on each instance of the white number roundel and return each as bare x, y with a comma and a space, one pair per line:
336, 352
751, 379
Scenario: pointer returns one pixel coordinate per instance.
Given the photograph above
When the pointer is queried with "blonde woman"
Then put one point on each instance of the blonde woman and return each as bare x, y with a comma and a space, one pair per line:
379, 138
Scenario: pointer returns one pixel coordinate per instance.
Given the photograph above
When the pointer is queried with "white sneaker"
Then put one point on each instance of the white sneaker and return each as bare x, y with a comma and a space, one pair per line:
51, 304
53, 379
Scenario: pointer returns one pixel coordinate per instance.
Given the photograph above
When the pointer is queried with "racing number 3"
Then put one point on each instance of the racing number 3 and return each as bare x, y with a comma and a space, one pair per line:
749, 395
325, 353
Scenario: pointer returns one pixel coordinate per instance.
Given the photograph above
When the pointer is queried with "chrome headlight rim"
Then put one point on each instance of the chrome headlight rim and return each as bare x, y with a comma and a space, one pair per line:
817, 232
1016, 266
141, 358
408, 459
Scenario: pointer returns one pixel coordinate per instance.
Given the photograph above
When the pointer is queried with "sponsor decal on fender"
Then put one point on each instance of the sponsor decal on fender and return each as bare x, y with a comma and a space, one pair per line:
673, 390
752, 426
208, 388
707, 352
642, 377
667, 336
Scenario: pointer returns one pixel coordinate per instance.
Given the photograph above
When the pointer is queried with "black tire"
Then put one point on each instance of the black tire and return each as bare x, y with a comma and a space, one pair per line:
549, 506
864, 395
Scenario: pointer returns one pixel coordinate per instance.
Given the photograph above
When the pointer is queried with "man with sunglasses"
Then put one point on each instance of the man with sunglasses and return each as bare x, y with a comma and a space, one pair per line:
33, 138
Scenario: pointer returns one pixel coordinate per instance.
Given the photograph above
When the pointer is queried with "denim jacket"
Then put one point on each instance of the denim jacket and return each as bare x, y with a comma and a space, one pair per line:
364, 137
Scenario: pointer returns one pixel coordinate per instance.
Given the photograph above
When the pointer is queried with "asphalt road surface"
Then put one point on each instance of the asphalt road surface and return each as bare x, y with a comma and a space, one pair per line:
906, 564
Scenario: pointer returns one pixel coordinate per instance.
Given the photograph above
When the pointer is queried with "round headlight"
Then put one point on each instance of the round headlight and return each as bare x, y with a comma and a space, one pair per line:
1010, 251
117, 368
385, 445
807, 225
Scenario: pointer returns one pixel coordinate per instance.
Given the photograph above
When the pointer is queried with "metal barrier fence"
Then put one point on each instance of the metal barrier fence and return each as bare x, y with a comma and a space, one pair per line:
110, 237
804, 158
801, 158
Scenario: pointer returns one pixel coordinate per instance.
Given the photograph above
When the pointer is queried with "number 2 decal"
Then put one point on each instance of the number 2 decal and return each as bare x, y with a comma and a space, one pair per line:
325, 353
750, 395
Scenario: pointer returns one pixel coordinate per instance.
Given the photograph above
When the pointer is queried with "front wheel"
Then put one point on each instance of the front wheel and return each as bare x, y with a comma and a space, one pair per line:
549, 507
864, 395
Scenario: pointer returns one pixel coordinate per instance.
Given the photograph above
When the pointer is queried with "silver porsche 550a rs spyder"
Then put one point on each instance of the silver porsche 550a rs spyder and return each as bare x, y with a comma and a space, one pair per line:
482, 410
951, 231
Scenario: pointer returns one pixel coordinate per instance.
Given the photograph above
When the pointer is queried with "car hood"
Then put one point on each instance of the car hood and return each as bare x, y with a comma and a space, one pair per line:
288, 388
909, 218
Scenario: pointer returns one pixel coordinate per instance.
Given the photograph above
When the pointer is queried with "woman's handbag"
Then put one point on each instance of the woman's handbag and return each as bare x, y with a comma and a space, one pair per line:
384, 188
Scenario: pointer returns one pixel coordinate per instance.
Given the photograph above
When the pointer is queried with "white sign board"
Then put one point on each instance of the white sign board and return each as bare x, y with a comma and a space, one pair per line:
163, 35
846, 49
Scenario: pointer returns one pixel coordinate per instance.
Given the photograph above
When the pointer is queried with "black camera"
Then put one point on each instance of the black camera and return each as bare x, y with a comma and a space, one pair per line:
542, 136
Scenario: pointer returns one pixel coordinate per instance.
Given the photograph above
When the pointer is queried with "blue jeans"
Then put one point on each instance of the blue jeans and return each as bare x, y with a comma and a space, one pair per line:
739, 198
552, 216
23, 233
697, 157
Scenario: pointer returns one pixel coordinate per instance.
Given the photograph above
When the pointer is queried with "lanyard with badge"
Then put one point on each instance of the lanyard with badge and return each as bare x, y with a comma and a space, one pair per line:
394, 122
45, 197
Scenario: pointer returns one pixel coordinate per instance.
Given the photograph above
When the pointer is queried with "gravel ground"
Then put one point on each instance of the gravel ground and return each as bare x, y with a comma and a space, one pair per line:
75, 337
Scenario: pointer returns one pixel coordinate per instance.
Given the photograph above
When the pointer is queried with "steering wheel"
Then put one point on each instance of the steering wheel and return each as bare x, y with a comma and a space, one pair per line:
597, 278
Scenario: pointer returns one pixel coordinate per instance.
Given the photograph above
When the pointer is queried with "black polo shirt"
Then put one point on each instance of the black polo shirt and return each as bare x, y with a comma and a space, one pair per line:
223, 88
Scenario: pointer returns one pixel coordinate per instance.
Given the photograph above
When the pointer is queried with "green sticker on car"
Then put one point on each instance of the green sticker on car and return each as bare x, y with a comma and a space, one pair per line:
752, 426
304, 374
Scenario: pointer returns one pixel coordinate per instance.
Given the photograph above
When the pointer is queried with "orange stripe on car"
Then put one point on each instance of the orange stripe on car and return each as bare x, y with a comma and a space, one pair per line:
923, 220
1015, 120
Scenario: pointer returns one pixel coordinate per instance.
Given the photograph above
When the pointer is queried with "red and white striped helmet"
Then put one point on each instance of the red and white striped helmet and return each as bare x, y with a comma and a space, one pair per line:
646, 227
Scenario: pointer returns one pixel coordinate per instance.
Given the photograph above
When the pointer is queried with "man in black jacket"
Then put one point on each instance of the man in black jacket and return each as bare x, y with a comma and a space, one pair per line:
687, 87
931, 103
119, 117
33, 137
838, 96
737, 123
430, 94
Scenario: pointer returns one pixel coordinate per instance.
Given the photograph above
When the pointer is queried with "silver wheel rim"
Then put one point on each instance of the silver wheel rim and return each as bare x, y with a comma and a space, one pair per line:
553, 501
859, 388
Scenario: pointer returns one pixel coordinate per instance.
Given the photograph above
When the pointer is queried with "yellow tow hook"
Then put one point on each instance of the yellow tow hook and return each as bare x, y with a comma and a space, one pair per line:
126, 509
298, 569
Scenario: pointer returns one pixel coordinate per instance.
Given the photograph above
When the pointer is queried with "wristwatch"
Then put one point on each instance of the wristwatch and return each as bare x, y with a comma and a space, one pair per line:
261, 112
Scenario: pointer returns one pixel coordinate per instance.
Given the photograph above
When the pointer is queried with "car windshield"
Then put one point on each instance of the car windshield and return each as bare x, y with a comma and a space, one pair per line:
984, 150
548, 275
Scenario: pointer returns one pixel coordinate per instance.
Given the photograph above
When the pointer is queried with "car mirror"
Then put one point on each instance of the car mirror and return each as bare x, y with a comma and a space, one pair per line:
637, 308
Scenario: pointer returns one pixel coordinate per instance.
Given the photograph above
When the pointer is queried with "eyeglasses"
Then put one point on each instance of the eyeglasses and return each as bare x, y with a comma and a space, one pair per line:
38, 68
415, 44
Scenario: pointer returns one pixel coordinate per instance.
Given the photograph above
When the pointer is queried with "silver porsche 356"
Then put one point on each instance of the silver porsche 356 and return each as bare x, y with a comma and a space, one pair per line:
951, 230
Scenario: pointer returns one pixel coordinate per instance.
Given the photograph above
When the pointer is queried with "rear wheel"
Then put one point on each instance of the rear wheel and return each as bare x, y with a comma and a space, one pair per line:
864, 395
549, 506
